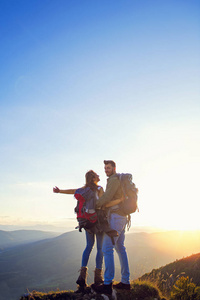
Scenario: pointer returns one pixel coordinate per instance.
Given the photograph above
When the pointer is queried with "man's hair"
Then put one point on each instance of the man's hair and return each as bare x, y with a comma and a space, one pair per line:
113, 164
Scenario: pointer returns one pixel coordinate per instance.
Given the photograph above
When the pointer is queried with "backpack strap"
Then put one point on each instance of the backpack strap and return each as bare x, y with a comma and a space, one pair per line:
128, 222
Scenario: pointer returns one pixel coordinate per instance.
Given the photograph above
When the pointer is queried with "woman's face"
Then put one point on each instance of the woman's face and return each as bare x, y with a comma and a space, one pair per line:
96, 178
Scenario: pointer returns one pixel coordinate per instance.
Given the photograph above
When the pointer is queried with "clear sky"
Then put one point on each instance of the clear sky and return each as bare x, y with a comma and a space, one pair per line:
86, 80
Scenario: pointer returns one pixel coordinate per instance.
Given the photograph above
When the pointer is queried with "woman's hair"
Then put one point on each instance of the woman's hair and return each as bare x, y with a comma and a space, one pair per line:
89, 179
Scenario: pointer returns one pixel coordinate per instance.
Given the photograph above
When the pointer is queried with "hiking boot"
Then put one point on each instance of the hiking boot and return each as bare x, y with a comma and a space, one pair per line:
122, 286
102, 288
98, 278
81, 281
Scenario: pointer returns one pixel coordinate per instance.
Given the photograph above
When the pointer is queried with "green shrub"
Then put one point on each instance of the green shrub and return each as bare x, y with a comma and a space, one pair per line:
184, 289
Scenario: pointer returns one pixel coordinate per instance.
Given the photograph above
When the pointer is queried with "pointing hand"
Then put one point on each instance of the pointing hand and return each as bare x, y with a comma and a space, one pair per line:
56, 189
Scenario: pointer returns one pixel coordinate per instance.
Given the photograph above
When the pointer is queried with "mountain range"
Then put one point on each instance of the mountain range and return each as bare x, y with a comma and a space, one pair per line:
54, 262
9, 239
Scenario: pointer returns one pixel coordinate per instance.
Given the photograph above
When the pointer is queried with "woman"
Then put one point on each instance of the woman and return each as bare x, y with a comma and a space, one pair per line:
92, 180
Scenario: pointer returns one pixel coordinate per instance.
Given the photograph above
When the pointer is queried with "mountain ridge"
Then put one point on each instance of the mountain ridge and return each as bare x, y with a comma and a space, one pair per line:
166, 276
9, 239
54, 263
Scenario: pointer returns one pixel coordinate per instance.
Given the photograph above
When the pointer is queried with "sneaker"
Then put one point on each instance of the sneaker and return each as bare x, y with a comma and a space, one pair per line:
122, 286
102, 288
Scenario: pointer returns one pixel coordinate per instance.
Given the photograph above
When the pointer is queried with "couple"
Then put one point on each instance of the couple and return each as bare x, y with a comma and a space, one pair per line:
105, 200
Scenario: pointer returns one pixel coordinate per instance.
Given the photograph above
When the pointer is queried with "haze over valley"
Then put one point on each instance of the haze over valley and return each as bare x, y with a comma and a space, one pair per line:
54, 262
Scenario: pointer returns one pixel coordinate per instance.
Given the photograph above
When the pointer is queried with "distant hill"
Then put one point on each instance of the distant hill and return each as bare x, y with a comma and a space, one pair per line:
152, 250
47, 264
166, 276
10, 239
54, 263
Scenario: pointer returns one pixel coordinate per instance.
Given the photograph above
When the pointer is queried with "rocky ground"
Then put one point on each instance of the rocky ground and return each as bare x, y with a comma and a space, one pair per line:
139, 291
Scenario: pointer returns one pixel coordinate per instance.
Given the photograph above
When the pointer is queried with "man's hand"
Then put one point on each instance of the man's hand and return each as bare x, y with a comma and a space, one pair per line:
56, 189
114, 202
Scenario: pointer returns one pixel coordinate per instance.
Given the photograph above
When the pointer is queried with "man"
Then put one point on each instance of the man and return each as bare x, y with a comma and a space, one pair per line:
118, 222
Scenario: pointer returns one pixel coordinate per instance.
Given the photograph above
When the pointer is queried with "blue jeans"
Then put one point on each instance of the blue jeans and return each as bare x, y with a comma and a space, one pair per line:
118, 223
90, 239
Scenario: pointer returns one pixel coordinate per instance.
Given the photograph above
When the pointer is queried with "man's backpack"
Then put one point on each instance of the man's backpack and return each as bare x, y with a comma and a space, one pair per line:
129, 205
85, 208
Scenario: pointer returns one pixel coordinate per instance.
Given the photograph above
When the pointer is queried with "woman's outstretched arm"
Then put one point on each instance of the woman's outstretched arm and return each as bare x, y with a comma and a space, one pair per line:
69, 191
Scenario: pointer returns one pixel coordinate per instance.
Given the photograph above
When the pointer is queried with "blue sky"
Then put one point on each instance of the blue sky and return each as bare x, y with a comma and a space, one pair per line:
83, 81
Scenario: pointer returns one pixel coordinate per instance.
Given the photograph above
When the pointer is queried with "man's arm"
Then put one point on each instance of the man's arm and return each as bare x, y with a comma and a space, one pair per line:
111, 188
114, 202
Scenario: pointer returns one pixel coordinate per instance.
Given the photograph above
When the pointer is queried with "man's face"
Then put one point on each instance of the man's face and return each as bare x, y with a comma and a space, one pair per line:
109, 170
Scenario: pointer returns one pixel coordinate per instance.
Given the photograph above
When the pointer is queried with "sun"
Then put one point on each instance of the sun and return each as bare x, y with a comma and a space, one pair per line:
168, 197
